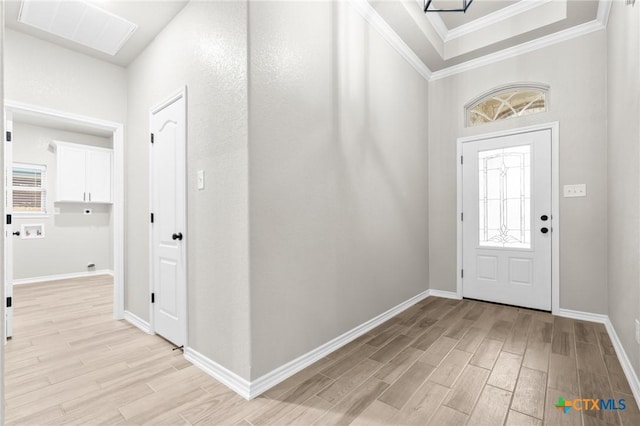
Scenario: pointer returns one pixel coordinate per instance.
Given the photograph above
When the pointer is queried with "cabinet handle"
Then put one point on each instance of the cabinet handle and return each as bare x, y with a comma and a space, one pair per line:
89, 196
84, 196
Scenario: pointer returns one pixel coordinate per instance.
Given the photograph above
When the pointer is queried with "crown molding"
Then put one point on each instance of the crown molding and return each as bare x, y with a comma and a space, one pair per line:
495, 17
380, 25
551, 39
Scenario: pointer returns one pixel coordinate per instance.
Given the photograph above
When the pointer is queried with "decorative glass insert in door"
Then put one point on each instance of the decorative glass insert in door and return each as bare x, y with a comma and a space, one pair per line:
504, 188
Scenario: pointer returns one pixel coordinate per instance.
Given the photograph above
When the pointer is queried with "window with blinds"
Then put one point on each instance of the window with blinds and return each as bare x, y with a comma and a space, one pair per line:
29, 188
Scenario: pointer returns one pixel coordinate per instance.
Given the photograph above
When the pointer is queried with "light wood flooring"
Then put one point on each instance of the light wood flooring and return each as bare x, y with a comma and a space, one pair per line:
441, 362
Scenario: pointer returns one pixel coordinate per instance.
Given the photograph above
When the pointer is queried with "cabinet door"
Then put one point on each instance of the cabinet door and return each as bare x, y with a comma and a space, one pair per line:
71, 174
99, 176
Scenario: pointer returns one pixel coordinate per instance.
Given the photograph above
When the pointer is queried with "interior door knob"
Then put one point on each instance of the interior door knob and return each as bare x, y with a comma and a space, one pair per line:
177, 236
544, 230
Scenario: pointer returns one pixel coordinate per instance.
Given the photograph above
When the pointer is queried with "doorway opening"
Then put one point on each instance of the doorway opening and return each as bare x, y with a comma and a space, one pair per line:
101, 153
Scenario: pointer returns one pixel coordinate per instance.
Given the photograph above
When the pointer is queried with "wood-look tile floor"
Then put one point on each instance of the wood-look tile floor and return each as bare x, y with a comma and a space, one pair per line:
441, 362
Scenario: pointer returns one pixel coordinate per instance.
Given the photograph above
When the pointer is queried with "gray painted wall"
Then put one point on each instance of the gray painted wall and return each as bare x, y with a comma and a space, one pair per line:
72, 239
205, 48
575, 70
623, 155
47, 75
338, 177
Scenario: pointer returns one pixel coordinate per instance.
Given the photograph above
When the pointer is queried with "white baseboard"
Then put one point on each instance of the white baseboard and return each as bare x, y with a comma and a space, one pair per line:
445, 294
33, 280
629, 372
225, 376
252, 389
281, 373
138, 322
583, 316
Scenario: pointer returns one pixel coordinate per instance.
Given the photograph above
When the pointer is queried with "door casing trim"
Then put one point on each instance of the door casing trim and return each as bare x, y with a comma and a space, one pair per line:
554, 127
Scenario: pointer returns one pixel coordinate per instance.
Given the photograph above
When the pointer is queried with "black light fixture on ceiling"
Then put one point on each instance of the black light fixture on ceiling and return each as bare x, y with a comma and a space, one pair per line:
463, 7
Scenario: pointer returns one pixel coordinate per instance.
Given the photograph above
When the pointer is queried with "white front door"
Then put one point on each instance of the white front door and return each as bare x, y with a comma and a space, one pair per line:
506, 223
8, 229
168, 207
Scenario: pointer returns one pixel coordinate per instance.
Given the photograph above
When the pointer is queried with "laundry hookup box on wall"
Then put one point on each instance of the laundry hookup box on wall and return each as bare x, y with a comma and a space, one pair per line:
31, 231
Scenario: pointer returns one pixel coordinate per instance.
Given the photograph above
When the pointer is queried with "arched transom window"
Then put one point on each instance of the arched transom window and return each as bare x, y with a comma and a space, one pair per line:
504, 102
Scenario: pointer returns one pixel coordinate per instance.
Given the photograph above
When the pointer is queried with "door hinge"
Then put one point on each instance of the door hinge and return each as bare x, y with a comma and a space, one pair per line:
8, 219
153, 298
8, 136
461, 159
151, 217
151, 137
461, 217
9, 302
461, 273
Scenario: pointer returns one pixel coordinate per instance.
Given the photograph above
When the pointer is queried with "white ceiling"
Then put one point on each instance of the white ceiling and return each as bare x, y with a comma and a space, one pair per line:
150, 16
478, 9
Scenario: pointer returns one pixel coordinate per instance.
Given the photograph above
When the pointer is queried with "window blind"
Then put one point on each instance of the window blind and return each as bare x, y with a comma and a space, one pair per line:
29, 188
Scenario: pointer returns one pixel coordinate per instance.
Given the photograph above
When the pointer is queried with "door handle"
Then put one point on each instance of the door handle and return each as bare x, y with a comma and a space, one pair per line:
177, 236
544, 230
17, 233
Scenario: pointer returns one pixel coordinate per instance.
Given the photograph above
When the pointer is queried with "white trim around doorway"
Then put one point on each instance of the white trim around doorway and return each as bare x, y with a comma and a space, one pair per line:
554, 127
118, 184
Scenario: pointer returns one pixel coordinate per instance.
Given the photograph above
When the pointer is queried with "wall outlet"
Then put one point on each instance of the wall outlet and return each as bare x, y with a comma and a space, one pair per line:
637, 332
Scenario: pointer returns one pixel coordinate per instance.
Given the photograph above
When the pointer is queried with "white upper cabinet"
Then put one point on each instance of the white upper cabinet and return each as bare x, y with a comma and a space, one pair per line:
84, 173
99, 176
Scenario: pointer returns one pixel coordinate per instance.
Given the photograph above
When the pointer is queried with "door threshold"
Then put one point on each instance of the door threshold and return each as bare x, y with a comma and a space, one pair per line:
506, 304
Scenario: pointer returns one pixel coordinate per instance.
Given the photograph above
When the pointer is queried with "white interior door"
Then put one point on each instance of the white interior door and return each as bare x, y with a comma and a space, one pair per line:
506, 226
168, 206
8, 230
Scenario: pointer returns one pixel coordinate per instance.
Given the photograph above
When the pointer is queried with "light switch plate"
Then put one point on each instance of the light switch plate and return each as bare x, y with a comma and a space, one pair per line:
200, 179
579, 190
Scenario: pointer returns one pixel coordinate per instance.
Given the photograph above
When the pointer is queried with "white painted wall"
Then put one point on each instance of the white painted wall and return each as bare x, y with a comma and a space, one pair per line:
623, 157
338, 177
575, 70
47, 75
72, 239
204, 48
